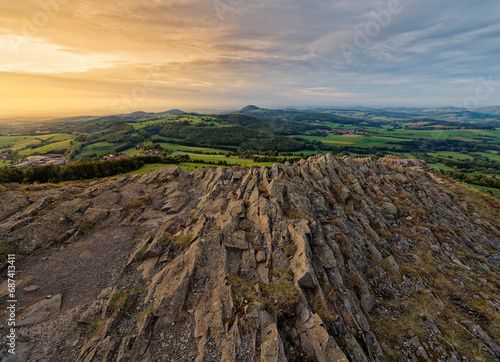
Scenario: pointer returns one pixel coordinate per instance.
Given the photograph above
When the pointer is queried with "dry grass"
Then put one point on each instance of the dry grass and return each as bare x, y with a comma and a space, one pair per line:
280, 297
141, 252
183, 242
6, 249
293, 214
319, 306
137, 203
243, 289
117, 299
85, 226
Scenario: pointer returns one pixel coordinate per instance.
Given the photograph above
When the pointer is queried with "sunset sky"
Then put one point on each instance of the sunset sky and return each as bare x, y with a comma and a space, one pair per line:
79, 57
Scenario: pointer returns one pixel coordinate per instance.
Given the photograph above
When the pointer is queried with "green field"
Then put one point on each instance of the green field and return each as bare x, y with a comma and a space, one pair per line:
494, 192
229, 160
451, 155
100, 149
174, 147
355, 140
56, 146
441, 166
147, 168
17, 143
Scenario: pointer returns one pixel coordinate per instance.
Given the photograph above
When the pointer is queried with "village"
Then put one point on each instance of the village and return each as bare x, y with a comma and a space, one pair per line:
345, 131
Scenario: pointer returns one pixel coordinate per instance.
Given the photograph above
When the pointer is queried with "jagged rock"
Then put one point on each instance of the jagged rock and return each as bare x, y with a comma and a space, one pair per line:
41, 311
92, 312
245, 263
31, 288
272, 347
481, 251
11, 203
390, 208
494, 260
478, 332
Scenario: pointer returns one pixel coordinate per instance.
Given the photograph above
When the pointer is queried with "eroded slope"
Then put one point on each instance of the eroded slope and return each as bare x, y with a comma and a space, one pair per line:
328, 259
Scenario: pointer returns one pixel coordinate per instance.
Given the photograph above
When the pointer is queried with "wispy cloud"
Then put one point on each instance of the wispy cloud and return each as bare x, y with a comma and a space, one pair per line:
85, 54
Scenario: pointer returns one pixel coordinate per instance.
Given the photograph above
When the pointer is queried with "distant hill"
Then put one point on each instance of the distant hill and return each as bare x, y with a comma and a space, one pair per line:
249, 109
174, 112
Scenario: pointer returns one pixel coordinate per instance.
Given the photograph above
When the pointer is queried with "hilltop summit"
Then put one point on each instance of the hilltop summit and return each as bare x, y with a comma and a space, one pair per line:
327, 259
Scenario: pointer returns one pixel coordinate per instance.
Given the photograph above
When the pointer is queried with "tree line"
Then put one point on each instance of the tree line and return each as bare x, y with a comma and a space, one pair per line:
83, 170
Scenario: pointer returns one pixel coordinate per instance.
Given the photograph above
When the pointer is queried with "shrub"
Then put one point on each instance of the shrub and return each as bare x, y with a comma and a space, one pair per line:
167, 239
76, 328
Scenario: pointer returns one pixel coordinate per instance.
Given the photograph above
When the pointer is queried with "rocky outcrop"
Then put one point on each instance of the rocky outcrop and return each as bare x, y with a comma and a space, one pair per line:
328, 259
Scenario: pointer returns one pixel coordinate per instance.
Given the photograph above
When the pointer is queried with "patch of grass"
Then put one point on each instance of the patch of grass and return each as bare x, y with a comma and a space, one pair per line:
281, 274
144, 313
167, 239
117, 300
319, 305
344, 245
140, 289
137, 203
85, 226
141, 252
243, 289
7, 248
95, 325
393, 354
280, 297
356, 281
293, 214
141, 231
76, 328
183, 242
245, 226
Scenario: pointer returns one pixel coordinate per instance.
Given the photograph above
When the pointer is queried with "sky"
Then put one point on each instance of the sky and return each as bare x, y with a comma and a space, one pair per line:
89, 57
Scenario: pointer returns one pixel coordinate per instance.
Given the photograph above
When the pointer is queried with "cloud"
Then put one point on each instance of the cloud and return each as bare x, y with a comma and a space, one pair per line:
228, 52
